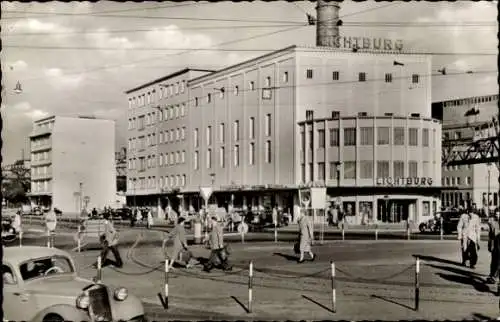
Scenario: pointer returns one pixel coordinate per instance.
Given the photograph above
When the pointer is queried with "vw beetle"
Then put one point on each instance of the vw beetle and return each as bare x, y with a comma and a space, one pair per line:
41, 284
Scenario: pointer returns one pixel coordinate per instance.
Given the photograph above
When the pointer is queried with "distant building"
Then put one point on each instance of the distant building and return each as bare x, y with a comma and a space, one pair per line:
462, 119
73, 163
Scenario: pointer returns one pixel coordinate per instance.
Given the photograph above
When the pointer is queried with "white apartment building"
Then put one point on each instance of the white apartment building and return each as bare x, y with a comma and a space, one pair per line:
73, 163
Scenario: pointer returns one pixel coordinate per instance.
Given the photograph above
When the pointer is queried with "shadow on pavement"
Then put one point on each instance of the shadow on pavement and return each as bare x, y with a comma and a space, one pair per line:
457, 271
392, 301
318, 304
288, 257
240, 304
478, 284
437, 259
481, 317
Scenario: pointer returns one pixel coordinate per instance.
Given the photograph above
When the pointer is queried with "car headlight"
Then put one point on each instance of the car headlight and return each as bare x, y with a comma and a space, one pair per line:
121, 294
82, 301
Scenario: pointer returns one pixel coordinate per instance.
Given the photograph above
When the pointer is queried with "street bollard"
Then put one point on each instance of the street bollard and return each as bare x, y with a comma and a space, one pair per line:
79, 240
166, 282
376, 231
250, 286
343, 229
48, 239
417, 283
408, 230
20, 239
99, 269
441, 228
334, 288
275, 233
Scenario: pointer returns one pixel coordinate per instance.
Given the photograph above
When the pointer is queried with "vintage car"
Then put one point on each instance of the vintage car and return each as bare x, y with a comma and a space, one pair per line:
9, 233
41, 284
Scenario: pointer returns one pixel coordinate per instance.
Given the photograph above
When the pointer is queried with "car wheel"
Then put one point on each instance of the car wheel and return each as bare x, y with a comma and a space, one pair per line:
52, 317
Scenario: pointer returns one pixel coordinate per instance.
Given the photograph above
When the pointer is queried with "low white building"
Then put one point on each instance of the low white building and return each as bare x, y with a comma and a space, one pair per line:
73, 163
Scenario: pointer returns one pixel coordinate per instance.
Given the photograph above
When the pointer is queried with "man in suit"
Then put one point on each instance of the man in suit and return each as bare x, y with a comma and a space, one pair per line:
109, 241
178, 234
216, 242
469, 233
494, 246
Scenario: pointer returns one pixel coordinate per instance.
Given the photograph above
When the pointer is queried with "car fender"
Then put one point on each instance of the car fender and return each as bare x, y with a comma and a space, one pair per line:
128, 309
67, 312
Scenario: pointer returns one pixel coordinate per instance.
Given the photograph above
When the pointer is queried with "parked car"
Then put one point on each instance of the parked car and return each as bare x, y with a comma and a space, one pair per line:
9, 233
122, 213
450, 222
41, 284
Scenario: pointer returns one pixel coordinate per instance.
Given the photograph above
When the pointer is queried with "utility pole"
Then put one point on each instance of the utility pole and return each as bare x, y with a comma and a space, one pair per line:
81, 196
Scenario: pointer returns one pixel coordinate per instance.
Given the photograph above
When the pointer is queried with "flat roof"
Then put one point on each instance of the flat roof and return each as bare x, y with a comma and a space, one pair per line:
177, 73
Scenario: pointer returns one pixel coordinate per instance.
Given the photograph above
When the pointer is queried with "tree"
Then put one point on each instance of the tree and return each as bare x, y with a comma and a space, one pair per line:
16, 182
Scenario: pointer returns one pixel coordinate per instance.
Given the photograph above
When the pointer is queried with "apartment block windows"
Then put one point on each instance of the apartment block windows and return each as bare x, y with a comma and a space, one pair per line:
236, 156
285, 77
221, 93
196, 138
413, 136
222, 133
209, 97
321, 171
183, 109
251, 128
209, 158
236, 90
414, 78
236, 130
382, 169
196, 160
383, 135
366, 169
321, 139
399, 169
309, 73
334, 137
388, 78
268, 125
251, 153
183, 133
362, 77
222, 155
252, 85
349, 170
335, 75
425, 137
399, 136
183, 157
268, 152
209, 135
413, 169
350, 136
196, 102
268, 81
366, 136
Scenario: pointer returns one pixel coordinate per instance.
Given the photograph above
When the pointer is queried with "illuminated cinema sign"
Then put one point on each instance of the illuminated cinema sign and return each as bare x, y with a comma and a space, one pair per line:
365, 43
413, 181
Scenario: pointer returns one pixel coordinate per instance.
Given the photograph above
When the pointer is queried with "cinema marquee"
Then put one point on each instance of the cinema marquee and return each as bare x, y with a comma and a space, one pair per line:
413, 181
366, 43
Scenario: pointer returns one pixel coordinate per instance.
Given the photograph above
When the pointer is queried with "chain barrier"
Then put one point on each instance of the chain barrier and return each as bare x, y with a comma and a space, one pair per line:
379, 279
292, 276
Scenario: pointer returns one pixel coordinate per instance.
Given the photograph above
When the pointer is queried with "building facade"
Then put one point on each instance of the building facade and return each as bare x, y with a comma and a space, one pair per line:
73, 163
466, 120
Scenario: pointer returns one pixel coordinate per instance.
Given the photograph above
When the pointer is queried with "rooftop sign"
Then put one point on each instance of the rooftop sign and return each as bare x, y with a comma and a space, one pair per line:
366, 43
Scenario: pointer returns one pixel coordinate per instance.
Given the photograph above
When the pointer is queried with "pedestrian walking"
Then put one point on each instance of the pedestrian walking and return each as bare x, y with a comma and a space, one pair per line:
306, 237
494, 246
138, 216
218, 253
150, 219
109, 242
178, 234
50, 226
17, 222
469, 232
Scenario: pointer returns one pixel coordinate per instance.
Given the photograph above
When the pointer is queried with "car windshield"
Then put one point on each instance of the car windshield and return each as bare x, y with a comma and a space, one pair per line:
46, 266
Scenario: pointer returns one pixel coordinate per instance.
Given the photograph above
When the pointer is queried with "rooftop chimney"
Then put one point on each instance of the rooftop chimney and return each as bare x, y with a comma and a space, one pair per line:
327, 25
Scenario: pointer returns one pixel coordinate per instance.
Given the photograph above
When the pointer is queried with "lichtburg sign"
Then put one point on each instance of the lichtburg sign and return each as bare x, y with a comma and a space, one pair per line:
412, 181
365, 43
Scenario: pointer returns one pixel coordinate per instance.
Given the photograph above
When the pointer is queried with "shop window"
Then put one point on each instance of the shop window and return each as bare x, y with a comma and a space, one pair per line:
366, 169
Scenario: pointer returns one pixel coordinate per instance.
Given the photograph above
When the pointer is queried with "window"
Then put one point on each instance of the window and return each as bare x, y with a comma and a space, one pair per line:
309, 115
468, 180
251, 128
413, 136
251, 153
268, 81
236, 130
413, 169
285, 77
172, 158
183, 109
209, 97
196, 102
252, 85
425, 137
177, 134
366, 169
349, 170
334, 174
382, 169
399, 136
196, 160
183, 133
362, 77
366, 135
221, 93
311, 172
221, 133
236, 90
177, 157
321, 171
303, 173
196, 138
236, 155
309, 73
321, 139
183, 182
303, 140
209, 158
335, 75
399, 169
425, 169
388, 78
350, 136
183, 86
268, 125
311, 139
334, 137
383, 135
171, 112
414, 78
268, 152
222, 154
209, 135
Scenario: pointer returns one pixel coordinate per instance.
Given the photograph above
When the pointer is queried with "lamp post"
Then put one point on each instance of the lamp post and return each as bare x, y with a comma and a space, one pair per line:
489, 190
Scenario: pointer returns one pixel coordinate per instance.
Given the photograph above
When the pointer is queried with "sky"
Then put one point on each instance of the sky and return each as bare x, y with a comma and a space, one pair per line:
79, 58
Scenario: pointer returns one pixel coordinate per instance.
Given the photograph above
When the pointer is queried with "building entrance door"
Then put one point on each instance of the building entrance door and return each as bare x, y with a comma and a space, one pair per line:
393, 210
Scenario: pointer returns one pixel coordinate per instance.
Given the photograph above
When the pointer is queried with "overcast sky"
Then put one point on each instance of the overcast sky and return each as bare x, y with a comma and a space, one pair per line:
117, 46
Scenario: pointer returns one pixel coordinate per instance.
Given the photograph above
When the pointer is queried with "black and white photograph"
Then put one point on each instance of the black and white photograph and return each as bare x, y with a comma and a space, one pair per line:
250, 160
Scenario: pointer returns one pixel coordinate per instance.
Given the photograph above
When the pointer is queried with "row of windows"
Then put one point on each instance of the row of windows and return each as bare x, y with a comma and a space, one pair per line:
362, 76
43, 170
171, 136
457, 167
457, 198
173, 181
366, 170
472, 100
164, 91
40, 142
164, 159
235, 154
455, 181
45, 125
164, 114
367, 137
41, 156
41, 186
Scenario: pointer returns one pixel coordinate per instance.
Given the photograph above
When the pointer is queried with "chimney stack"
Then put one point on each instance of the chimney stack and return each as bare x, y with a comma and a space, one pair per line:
327, 29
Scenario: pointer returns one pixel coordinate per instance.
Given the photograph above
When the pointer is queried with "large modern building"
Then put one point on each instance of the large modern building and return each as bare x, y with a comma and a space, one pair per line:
465, 120
73, 163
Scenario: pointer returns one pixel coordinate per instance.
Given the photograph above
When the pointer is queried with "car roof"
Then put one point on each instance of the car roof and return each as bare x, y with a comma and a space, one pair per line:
17, 255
